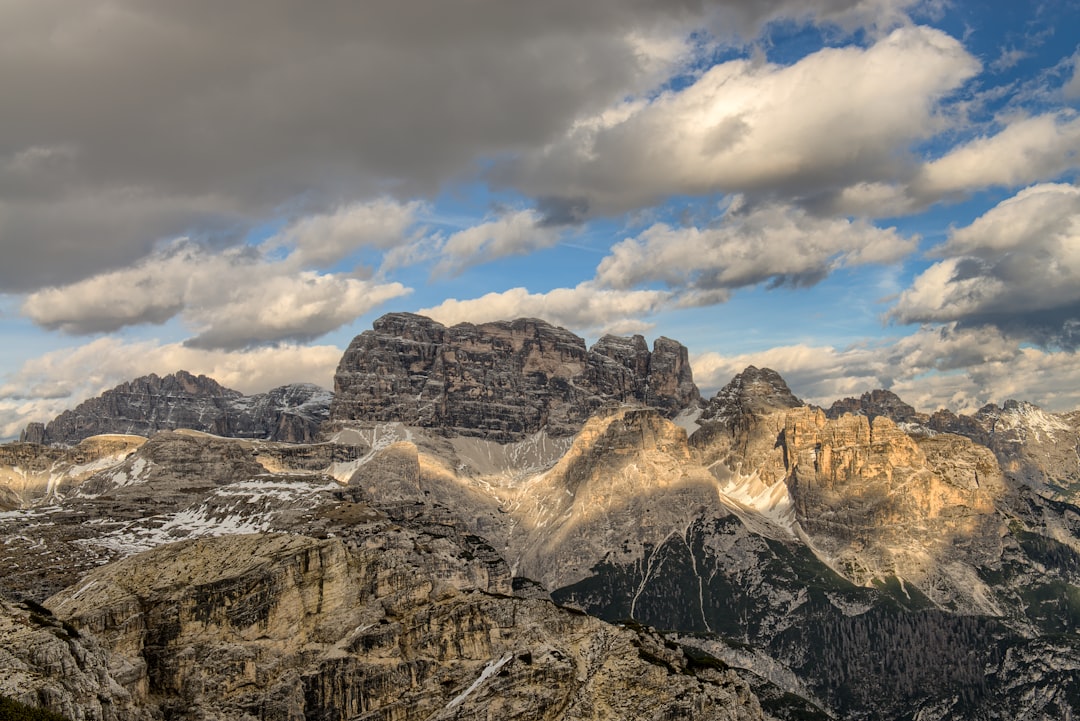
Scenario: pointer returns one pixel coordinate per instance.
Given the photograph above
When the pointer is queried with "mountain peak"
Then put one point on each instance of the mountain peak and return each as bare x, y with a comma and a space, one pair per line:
875, 403
756, 391
153, 403
502, 380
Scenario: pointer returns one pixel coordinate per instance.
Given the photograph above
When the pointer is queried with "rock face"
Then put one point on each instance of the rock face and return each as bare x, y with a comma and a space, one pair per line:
864, 563
878, 403
1034, 448
881, 505
49, 663
31, 474
149, 404
502, 380
388, 625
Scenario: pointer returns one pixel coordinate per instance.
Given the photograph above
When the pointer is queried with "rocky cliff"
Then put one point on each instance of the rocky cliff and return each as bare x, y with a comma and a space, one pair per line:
371, 625
32, 474
502, 380
181, 400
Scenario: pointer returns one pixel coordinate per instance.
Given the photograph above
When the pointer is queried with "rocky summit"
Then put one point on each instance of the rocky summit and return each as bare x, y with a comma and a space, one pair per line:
495, 521
503, 380
150, 404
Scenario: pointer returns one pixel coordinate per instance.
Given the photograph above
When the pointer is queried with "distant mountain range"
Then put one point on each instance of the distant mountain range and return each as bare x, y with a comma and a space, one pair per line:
420, 544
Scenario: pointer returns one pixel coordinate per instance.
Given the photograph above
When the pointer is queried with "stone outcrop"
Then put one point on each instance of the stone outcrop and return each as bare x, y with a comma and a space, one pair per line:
48, 663
739, 427
878, 403
879, 504
150, 404
32, 473
1034, 448
390, 625
626, 482
501, 380
33, 433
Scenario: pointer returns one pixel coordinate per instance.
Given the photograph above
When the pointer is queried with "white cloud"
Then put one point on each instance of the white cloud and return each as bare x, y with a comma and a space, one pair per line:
1016, 267
59, 380
1026, 150
584, 308
294, 307
781, 245
232, 299
197, 113
934, 367
834, 118
517, 233
318, 241
1071, 89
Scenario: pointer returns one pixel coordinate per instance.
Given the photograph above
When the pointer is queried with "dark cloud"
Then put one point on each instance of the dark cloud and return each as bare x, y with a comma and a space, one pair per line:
127, 122
555, 211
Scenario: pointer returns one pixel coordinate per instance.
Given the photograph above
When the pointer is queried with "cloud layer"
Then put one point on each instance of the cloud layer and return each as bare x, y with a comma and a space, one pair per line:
756, 127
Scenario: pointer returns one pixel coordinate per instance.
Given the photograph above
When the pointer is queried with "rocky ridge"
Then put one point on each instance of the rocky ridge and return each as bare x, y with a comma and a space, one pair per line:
856, 563
151, 403
375, 621
501, 381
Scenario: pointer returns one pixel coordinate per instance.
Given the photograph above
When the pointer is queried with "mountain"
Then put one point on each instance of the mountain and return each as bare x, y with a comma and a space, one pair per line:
181, 400
604, 542
501, 381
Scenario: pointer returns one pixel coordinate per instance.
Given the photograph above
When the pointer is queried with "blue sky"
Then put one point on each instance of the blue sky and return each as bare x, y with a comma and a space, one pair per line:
856, 193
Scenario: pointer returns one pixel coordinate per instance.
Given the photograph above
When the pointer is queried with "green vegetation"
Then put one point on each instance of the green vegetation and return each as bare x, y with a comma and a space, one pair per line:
12, 710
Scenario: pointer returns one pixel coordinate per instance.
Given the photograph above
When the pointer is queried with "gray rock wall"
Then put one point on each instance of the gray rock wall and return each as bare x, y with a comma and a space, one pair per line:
501, 380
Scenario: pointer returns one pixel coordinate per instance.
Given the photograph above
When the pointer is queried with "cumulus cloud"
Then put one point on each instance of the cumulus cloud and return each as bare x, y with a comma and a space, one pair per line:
1026, 150
585, 308
199, 116
323, 239
240, 296
776, 244
517, 233
1016, 267
46, 386
834, 118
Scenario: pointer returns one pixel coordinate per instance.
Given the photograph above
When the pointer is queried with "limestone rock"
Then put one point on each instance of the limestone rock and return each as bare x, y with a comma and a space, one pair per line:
49, 663
624, 485
270, 627
181, 400
33, 433
32, 474
502, 380
1034, 448
880, 504
878, 403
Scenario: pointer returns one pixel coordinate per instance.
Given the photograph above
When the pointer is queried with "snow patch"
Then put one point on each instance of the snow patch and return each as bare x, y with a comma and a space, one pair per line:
773, 501
239, 508
688, 420
490, 670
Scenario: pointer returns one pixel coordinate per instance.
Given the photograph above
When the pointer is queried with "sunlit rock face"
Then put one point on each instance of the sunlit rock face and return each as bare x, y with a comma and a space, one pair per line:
502, 380
398, 625
878, 504
865, 562
32, 474
146, 405
877, 403
1035, 448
